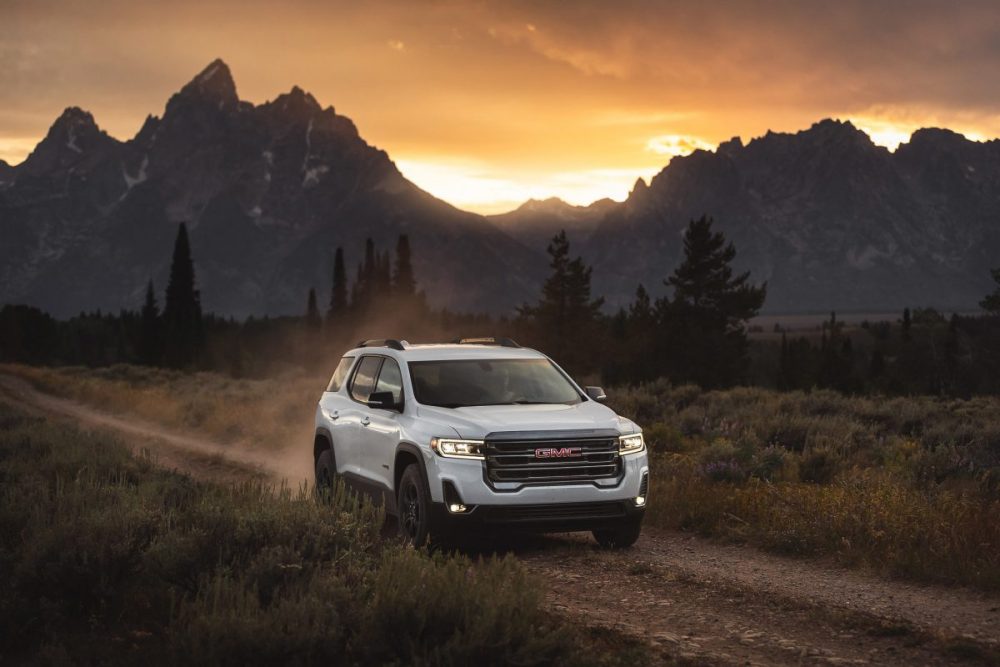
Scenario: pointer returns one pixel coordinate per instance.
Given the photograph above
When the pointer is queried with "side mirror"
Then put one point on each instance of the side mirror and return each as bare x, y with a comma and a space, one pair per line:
383, 400
596, 393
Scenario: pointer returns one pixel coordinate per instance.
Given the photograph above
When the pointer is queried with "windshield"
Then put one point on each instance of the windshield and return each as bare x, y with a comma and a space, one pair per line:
466, 382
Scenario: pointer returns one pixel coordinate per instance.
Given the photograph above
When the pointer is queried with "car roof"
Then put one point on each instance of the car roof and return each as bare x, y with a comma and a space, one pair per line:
436, 352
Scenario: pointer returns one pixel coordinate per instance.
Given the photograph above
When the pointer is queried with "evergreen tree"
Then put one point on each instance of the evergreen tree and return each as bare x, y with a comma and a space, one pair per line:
641, 332
365, 284
403, 283
566, 317
182, 310
703, 323
991, 303
338, 291
313, 320
383, 274
150, 338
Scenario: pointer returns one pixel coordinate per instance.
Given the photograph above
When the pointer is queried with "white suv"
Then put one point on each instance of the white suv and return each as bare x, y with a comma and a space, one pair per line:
477, 435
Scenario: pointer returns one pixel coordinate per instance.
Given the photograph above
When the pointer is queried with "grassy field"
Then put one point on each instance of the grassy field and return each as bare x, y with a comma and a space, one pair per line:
109, 559
905, 486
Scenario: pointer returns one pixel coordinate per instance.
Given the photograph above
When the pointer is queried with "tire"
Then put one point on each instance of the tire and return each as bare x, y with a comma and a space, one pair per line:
620, 537
413, 504
326, 473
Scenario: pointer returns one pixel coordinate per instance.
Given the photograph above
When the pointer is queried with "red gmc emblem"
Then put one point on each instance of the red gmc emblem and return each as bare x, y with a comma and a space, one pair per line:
558, 452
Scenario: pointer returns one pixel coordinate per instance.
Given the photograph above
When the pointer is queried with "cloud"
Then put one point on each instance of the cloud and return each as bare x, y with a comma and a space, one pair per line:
674, 144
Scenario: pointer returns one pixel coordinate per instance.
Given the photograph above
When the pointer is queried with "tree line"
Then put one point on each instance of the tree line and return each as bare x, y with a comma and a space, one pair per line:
698, 333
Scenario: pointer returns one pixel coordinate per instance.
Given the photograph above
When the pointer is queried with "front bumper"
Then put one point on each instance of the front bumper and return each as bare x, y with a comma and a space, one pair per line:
550, 518
534, 508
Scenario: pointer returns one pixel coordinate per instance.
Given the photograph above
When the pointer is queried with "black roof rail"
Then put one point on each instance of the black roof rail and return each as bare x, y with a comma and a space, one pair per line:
390, 343
487, 340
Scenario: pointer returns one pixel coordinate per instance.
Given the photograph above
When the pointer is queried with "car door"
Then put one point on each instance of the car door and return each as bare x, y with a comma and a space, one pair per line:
380, 431
333, 403
355, 413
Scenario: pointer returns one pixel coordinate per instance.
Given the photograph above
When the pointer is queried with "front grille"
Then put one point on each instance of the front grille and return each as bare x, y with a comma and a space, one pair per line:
562, 511
515, 460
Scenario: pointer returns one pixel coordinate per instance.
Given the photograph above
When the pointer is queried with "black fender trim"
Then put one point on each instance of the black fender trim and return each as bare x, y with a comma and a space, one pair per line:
323, 432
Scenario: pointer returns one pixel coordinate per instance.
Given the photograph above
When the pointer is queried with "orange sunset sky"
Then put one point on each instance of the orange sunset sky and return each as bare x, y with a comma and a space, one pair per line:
486, 104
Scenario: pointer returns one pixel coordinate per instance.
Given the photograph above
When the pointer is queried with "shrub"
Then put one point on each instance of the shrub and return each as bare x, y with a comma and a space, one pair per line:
107, 559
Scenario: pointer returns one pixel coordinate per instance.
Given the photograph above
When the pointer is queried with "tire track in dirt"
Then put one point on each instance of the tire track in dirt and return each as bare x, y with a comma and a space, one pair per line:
726, 604
687, 597
193, 454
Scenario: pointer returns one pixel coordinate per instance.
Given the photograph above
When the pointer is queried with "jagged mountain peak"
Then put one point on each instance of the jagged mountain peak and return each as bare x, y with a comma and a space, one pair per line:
296, 104
215, 80
730, 147
74, 116
74, 136
214, 85
548, 204
937, 136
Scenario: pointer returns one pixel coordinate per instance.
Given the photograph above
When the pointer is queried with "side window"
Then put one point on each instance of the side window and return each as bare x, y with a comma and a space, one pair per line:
340, 374
364, 378
391, 380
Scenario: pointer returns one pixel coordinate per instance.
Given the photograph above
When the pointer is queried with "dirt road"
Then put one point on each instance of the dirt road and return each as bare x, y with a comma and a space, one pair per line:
688, 597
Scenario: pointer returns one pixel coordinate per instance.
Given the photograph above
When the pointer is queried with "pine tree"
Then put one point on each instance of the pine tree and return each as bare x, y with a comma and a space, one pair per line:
403, 283
383, 274
703, 323
182, 311
991, 303
313, 320
641, 332
365, 285
566, 317
150, 338
338, 291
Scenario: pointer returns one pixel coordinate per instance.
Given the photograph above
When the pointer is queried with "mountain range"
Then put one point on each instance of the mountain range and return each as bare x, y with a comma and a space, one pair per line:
826, 217
268, 193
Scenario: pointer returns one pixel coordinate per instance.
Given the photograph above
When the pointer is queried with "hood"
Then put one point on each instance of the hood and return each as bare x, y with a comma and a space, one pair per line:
478, 421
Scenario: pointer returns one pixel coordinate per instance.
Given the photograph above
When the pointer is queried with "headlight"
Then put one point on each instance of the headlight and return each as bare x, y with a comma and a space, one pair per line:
630, 444
458, 449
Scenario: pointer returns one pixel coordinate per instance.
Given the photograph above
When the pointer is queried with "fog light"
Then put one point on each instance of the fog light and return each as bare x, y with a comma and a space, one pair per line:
640, 501
457, 508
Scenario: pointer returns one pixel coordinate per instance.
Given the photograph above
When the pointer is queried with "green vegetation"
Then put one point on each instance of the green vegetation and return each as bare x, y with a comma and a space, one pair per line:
706, 317
909, 487
906, 486
107, 559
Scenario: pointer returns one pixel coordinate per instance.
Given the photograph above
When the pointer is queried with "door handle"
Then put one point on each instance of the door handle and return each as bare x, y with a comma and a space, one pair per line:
365, 421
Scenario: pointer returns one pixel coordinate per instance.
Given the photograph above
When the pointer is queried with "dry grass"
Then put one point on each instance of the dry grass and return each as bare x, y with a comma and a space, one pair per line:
907, 486
107, 559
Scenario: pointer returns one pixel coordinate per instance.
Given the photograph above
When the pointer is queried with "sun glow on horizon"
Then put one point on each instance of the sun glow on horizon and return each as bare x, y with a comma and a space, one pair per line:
892, 133
482, 188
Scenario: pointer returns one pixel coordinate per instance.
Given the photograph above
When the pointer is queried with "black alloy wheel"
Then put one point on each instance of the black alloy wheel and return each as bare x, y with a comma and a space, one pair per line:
413, 504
